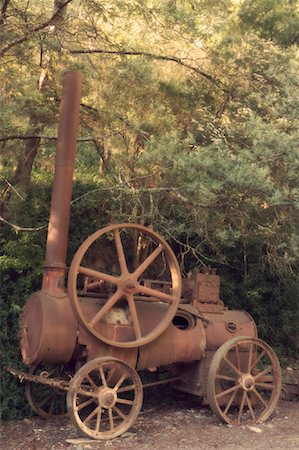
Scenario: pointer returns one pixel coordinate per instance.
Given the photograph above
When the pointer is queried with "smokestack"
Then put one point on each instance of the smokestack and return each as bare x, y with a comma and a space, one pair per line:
57, 239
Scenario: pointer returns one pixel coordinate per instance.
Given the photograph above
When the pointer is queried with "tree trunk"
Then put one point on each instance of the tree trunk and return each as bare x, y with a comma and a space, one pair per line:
25, 163
17, 190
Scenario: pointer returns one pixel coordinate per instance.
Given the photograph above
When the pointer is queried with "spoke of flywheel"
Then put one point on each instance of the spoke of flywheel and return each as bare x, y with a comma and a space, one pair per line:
120, 252
135, 319
98, 423
148, 261
230, 402
110, 303
124, 401
154, 293
242, 406
111, 418
131, 387
52, 404
250, 357
120, 382
84, 404
258, 359
119, 412
86, 393
225, 377
45, 400
228, 391
62, 404
232, 365
98, 275
264, 372
90, 381
250, 406
238, 357
102, 375
266, 386
258, 395
92, 414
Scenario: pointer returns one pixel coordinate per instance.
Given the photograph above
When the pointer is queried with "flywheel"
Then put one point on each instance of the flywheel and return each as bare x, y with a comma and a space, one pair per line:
111, 266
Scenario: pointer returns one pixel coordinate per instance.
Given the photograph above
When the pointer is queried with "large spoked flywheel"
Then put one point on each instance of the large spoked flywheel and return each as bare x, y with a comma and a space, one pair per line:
115, 261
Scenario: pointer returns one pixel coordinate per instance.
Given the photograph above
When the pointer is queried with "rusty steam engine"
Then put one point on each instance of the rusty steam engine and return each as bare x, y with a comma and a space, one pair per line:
127, 310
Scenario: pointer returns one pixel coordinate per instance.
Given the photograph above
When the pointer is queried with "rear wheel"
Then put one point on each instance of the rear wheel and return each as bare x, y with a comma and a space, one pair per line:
45, 400
244, 381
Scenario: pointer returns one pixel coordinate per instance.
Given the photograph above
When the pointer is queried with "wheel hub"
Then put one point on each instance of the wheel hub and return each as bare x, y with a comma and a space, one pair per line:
129, 285
107, 398
247, 382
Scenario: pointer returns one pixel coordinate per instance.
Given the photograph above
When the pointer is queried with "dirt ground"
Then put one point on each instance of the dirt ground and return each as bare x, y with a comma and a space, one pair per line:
165, 422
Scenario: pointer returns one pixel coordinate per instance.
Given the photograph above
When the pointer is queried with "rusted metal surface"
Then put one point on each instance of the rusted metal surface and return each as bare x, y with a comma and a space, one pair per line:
206, 286
175, 345
193, 377
225, 326
202, 290
95, 348
40, 379
57, 240
48, 329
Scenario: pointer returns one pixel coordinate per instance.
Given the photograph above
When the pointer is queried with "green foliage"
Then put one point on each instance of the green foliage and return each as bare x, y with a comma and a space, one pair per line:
263, 296
21, 261
277, 20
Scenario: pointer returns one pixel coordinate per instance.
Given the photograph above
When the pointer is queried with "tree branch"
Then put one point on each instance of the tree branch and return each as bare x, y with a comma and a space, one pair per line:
39, 27
37, 136
3, 9
12, 187
18, 228
179, 61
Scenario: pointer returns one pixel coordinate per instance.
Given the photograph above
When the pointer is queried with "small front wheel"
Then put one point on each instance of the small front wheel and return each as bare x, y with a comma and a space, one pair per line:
105, 398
